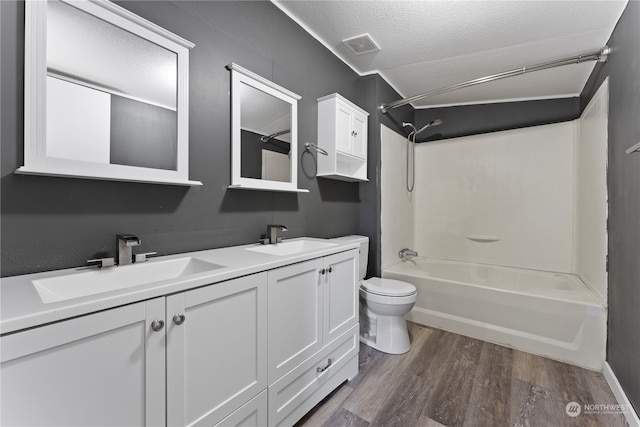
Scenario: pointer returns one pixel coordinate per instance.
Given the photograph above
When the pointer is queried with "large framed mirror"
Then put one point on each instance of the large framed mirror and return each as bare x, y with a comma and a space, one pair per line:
106, 94
264, 133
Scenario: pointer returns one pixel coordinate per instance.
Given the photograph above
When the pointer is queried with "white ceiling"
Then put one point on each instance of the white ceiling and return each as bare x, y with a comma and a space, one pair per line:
429, 44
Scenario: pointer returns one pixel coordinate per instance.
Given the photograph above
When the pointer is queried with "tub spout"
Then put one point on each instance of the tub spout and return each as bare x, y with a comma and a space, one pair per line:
407, 253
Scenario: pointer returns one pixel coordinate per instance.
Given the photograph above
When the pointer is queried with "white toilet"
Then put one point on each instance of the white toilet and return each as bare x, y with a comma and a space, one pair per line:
383, 304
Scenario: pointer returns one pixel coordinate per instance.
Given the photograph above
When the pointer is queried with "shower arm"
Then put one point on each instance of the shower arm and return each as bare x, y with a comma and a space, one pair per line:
268, 138
601, 56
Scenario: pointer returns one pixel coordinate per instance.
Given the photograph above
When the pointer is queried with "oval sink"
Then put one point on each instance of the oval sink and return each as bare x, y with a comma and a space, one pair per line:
96, 281
291, 247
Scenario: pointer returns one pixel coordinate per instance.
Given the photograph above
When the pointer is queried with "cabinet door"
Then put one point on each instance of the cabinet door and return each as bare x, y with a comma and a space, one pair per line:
216, 350
340, 293
359, 147
344, 129
254, 413
295, 316
103, 369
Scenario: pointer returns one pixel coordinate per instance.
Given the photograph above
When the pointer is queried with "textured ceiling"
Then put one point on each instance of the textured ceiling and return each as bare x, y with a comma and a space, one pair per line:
429, 44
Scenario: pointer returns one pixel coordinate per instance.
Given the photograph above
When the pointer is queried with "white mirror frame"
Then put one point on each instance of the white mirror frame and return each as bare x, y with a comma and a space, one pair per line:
36, 161
240, 76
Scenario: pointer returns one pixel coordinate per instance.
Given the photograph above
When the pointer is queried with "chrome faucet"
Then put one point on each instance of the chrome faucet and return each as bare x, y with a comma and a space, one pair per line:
272, 234
407, 253
125, 243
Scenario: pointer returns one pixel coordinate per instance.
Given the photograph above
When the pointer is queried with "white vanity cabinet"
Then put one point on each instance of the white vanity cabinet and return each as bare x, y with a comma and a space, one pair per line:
342, 133
216, 351
109, 368
259, 349
313, 333
103, 369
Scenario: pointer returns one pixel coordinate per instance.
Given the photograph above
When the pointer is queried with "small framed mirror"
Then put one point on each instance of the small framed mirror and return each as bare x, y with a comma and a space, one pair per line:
106, 94
264, 133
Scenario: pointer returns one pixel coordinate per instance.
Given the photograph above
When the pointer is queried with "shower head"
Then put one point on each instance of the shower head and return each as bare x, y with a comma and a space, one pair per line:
435, 122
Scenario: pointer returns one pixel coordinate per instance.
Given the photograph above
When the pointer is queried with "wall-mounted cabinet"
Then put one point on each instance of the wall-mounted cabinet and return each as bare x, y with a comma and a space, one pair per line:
342, 132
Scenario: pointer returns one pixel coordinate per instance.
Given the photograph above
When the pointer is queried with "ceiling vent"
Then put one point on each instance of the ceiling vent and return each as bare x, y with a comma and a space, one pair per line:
362, 44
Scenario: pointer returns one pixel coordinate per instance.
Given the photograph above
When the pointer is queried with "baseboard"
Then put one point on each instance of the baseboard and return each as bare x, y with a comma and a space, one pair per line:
630, 415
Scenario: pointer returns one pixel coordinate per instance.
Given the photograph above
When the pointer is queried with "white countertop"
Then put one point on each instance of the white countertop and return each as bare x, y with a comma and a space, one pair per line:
21, 306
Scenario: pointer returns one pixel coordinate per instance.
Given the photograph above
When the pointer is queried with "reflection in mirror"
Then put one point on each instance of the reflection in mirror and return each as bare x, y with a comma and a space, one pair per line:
266, 137
264, 133
116, 91
111, 95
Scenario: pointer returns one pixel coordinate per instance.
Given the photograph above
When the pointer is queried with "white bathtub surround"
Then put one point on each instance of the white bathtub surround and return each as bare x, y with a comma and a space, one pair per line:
397, 204
549, 314
516, 186
591, 194
531, 199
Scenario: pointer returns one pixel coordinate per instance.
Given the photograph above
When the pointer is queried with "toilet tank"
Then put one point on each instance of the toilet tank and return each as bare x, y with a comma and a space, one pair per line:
364, 251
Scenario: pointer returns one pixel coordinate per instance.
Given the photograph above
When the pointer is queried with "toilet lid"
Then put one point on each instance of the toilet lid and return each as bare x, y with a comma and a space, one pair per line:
388, 287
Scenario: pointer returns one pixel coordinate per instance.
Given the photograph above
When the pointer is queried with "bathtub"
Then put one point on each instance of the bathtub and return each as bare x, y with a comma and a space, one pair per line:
550, 314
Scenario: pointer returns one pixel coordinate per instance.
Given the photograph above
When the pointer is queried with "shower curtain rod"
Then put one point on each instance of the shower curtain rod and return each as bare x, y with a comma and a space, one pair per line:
601, 56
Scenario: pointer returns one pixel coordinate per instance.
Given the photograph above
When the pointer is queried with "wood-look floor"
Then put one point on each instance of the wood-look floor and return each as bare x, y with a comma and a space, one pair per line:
451, 380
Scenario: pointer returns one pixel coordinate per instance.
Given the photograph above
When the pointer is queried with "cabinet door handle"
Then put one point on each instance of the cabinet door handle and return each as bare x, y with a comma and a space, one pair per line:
319, 369
178, 319
323, 271
157, 325
330, 269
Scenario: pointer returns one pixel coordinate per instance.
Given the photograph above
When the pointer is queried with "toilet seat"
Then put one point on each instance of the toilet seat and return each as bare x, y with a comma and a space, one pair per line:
387, 287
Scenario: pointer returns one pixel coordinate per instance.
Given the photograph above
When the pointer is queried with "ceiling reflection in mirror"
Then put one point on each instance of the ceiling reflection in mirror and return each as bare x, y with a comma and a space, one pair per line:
111, 94
265, 135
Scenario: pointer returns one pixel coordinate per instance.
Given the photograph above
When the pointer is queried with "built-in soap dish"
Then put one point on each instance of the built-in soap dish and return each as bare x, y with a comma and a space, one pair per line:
482, 238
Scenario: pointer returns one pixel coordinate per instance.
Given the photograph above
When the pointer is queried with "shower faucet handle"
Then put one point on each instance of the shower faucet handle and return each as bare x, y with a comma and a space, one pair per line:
406, 253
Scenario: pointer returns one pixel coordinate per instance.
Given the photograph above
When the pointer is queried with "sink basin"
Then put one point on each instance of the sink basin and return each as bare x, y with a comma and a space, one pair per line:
107, 279
291, 247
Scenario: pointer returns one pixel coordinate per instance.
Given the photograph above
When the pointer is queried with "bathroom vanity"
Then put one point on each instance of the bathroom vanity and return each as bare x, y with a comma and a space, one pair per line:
247, 335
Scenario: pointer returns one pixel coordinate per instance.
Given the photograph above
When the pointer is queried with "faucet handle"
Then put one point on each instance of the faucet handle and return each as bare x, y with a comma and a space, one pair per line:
104, 262
143, 257
278, 226
129, 239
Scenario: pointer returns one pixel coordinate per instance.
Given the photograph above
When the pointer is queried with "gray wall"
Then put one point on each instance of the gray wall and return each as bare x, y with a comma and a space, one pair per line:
475, 119
50, 223
623, 70
374, 91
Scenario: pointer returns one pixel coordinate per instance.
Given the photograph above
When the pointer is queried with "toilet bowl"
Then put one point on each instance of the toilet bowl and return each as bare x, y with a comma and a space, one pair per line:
383, 304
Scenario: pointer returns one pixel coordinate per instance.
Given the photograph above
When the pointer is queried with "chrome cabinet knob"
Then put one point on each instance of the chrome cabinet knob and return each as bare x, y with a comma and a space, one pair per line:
157, 325
178, 319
